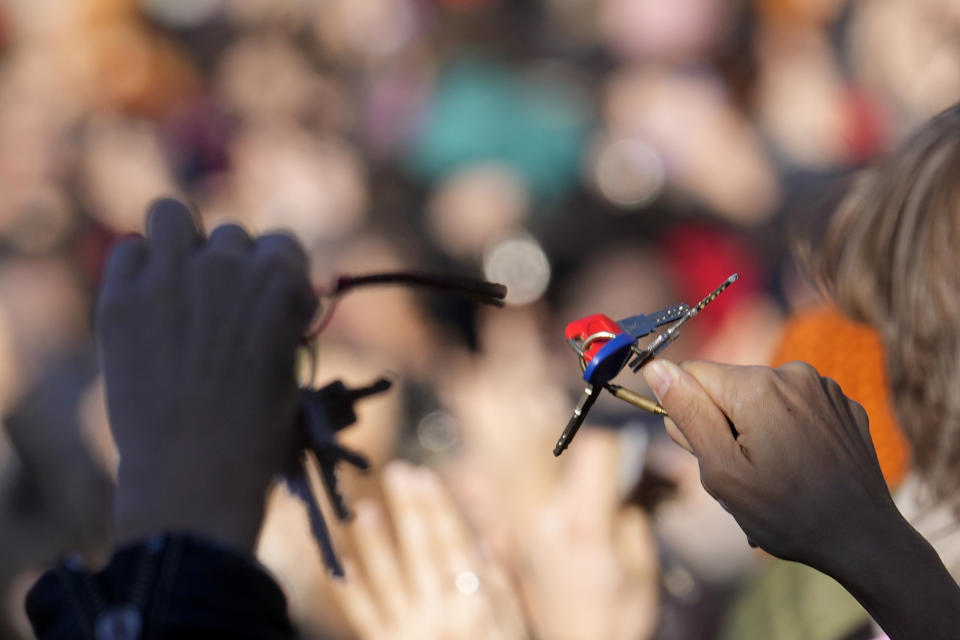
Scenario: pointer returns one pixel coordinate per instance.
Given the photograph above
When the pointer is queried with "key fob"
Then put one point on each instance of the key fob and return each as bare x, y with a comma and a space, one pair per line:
580, 330
609, 360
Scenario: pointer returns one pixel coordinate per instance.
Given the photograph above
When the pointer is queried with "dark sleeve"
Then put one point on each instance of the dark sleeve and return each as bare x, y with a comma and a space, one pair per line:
171, 586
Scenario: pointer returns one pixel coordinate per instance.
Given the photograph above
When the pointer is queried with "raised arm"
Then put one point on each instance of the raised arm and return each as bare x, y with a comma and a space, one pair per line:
197, 338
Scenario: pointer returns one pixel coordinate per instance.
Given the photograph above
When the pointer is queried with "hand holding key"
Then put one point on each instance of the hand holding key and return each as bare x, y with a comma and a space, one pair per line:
790, 457
782, 449
197, 339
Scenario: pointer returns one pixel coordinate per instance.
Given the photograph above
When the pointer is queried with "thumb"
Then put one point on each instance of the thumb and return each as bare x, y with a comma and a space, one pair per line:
695, 421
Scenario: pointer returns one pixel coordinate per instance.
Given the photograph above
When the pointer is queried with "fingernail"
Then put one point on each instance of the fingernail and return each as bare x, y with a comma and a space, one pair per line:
659, 376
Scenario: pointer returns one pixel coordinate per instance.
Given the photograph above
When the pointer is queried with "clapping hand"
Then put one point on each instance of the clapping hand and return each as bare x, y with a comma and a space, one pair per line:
433, 583
588, 566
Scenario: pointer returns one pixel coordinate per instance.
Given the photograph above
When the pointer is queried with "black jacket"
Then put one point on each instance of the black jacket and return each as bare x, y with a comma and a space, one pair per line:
170, 586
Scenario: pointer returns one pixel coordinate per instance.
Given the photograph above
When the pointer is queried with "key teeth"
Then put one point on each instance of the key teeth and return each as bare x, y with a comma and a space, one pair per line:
671, 314
327, 458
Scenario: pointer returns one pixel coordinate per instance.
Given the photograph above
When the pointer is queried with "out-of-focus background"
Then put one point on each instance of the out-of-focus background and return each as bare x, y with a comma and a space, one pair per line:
597, 156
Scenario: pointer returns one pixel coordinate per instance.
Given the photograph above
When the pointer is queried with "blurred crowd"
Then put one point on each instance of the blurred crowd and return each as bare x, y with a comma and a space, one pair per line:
596, 156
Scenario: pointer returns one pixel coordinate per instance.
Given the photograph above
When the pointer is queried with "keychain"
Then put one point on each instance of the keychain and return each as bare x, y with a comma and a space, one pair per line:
605, 347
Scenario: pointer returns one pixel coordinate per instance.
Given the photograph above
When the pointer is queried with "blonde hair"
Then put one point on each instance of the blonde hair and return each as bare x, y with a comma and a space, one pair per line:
891, 258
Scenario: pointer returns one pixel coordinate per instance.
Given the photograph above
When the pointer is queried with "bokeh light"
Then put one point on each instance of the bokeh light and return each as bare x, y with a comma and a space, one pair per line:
521, 264
438, 432
629, 173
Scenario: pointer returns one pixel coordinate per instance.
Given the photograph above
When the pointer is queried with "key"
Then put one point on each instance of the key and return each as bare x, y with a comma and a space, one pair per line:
605, 347
590, 395
298, 484
645, 324
331, 409
664, 339
324, 412
635, 399
327, 411
609, 360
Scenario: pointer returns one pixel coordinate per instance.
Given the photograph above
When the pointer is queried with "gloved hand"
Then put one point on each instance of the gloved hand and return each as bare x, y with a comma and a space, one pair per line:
197, 339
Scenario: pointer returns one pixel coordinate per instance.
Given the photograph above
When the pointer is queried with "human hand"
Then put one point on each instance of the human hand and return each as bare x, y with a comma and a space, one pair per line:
433, 584
588, 567
784, 451
507, 404
55, 498
197, 340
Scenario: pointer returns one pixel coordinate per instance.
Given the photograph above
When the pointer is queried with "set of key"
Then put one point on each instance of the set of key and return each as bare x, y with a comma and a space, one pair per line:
324, 412
605, 347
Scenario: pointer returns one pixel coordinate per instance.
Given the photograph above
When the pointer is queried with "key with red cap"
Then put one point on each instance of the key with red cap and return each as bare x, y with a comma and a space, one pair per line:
605, 345
590, 333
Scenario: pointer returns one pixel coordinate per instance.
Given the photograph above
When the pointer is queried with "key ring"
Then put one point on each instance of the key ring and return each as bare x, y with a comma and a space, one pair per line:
580, 348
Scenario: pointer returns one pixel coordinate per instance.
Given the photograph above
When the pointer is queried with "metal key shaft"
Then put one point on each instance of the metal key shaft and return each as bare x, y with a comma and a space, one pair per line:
590, 395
